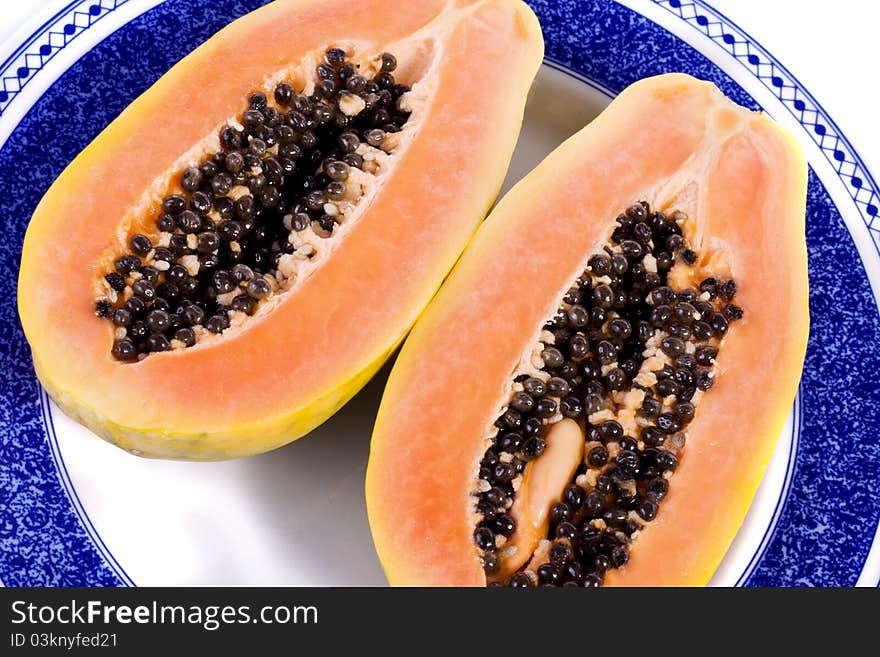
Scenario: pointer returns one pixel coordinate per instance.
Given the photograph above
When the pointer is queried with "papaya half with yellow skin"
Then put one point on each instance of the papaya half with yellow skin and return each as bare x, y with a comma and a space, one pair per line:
643, 290
333, 305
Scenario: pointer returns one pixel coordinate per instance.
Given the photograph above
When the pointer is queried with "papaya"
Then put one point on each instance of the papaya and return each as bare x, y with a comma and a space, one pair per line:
594, 393
236, 254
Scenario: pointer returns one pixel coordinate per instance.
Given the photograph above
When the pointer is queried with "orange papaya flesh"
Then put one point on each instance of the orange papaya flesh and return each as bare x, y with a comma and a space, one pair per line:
336, 295
678, 422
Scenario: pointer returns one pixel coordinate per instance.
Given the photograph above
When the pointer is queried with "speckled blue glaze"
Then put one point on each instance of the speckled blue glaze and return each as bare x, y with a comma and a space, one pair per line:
615, 46
827, 523
831, 510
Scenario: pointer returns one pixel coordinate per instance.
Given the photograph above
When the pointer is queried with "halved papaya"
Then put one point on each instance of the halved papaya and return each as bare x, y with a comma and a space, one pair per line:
643, 292
257, 232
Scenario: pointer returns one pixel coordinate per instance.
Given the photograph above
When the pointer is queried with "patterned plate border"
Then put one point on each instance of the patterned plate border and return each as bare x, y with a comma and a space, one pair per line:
859, 182
76, 17
50, 38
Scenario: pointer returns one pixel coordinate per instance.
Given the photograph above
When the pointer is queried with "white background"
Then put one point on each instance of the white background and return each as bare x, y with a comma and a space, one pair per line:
274, 503
831, 47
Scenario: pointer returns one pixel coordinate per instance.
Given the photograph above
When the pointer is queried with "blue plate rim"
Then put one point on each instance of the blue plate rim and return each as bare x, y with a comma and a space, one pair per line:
838, 155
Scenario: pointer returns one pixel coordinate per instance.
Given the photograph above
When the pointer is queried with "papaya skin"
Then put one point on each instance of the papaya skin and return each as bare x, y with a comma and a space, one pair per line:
285, 372
243, 441
679, 144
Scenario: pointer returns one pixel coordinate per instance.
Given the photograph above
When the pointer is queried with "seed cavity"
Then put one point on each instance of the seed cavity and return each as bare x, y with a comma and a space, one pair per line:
620, 370
243, 224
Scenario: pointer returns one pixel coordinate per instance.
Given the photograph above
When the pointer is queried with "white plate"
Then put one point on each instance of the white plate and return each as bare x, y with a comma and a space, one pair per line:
78, 511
